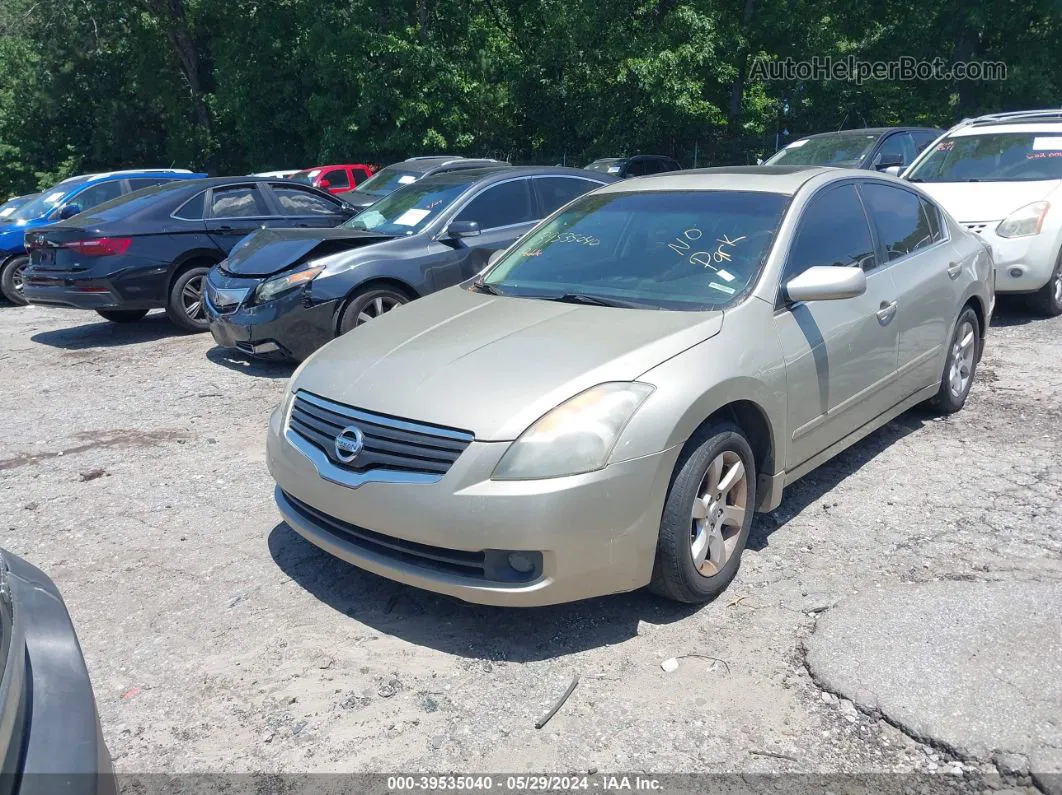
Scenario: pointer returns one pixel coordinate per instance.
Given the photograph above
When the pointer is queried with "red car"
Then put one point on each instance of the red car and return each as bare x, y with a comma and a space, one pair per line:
335, 179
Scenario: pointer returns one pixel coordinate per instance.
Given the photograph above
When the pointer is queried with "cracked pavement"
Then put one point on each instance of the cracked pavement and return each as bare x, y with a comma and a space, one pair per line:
219, 641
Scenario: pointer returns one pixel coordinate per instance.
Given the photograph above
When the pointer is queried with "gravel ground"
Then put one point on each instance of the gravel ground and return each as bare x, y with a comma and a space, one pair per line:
132, 470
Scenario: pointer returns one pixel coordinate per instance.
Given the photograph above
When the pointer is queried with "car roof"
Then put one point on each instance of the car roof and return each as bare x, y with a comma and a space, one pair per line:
767, 179
335, 165
505, 171
868, 131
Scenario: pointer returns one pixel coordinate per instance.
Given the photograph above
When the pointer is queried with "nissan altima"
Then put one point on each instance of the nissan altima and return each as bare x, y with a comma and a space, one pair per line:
607, 405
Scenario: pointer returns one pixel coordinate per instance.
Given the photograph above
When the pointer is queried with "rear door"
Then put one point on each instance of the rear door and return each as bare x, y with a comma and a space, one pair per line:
925, 269
234, 211
338, 180
304, 208
552, 193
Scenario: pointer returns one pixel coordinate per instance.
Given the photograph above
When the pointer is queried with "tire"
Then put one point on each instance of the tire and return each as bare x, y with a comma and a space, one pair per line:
183, 310
11, 279
960, 366
684, 527
1047, 301
369, 303
122, 315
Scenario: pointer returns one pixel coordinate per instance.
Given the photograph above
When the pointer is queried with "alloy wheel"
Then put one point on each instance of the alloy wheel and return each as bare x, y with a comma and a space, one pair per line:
375, 308
963, 351
718, 513
16, 277
192, 298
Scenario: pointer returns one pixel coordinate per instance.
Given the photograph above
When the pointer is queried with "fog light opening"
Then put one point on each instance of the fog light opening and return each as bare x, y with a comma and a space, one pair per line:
1016, 273
521, 563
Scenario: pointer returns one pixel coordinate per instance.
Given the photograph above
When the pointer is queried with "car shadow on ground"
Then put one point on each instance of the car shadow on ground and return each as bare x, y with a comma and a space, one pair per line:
1011, 310
105, 334
260, 368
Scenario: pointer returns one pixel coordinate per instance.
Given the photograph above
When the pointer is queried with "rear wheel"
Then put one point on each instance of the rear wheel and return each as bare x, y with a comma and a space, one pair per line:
1048, 299
961, 364
368, 304
11, 279
707, 516
122, 315
184, 307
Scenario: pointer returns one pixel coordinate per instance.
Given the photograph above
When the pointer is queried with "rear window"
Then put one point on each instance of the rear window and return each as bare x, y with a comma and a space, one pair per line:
993, 157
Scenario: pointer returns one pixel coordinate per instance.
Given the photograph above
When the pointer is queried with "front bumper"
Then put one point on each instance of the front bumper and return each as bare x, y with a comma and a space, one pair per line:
47, 685
288, 328
1023, 264
596, 533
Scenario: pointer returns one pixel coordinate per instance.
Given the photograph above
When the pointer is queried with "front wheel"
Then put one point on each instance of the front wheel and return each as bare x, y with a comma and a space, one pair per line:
707, 516
960, 365
1047, 300
368, 304
184, 306
122, 315
11, 280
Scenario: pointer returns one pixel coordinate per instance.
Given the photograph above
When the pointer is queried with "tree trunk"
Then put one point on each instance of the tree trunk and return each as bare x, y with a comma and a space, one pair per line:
737, 90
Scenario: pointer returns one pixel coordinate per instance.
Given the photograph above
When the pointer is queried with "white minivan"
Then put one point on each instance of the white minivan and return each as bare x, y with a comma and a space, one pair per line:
1000, 176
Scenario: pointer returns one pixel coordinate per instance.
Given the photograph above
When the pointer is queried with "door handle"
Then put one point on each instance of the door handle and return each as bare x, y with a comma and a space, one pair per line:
954, 269
886, 311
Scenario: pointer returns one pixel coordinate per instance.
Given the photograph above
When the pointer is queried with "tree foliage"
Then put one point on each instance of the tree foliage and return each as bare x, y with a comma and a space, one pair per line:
232, 86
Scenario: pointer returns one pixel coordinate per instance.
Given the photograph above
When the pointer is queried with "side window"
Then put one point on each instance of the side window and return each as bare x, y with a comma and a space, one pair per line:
192, 210
97, 194
922, 140
639, 168
500, 205
301, 202
833, 230
554, 192
897, 145
360, 175
145, 182
337, 178
902, 225
936, 223
240, 201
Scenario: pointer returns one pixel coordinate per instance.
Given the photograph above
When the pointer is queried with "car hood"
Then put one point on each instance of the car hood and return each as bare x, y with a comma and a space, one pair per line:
268, 251
987, 201
492, 365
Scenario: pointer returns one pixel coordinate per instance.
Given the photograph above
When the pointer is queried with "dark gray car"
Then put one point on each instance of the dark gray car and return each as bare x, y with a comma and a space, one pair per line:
389, 179
284, 293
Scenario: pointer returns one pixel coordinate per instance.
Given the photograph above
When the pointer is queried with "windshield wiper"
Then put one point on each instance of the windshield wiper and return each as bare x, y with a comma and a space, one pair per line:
481, 286
593, 300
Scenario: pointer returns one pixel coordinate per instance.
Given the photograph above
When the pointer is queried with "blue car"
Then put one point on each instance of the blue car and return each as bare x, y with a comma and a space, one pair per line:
62, 201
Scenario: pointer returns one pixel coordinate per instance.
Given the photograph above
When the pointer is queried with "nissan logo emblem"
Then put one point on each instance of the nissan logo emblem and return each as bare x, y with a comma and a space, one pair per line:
349, 443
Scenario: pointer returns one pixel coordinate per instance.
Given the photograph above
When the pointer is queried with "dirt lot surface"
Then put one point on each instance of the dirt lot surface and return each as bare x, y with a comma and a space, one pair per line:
132, 471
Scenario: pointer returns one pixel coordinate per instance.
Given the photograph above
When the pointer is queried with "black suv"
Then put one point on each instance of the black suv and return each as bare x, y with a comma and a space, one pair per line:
634, 166
153, 248
394, 176
284, 293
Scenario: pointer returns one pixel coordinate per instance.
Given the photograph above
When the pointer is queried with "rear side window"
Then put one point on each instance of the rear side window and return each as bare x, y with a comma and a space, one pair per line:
240, 201
97, 194
192, 210
640, 168
901, 222
555, 192
936, 223
337, 178
145, 182
360, 175
833, 231
301, 202
500, 205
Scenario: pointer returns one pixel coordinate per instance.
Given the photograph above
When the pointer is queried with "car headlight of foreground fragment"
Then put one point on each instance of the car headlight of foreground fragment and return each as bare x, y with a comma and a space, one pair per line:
278, 285
1025, 221
577, 436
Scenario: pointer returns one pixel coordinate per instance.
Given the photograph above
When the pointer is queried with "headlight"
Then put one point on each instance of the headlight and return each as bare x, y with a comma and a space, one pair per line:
278, 285
1025, 221
577, 436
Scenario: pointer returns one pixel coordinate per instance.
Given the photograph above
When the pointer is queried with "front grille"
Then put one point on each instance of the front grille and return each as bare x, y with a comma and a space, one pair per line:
450, 561
976, 228
390, 443
225, 300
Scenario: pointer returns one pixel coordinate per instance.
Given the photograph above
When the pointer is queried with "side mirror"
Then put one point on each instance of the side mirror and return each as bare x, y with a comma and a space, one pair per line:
883, 161
759, 161
458, 229
826, 283
894, 170
497, 255
324, 184
69, 211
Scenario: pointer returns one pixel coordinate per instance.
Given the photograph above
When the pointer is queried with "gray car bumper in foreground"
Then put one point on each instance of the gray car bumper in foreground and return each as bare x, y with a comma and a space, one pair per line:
50, 738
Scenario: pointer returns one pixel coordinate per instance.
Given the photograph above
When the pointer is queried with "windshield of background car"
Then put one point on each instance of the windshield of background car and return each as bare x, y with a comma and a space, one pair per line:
993, 157
608, 165
408, 210
830, 150
387, 180
685, 250
47, 201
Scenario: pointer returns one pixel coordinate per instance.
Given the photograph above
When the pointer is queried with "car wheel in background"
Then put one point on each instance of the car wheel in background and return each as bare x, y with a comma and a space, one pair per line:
184, 307
11, 280
122, 315
960, 364
368, 304
1048, 299
707, 516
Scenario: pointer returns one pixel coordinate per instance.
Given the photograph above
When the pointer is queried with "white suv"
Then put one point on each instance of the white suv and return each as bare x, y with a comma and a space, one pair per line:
1000, 176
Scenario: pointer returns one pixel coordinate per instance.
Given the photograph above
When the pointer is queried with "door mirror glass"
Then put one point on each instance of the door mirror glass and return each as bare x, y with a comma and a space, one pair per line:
69, 211
885, 160
324, 184
826, 283
458, 229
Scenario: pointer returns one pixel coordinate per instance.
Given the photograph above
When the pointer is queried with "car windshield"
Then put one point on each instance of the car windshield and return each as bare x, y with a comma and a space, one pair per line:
47, 201
387, 180
829, 150
683, 250
8, 208
411, 208
607, 165
993, 157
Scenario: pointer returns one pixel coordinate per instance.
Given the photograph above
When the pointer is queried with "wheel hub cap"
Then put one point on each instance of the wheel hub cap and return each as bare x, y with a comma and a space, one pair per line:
718, 513
963, 351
